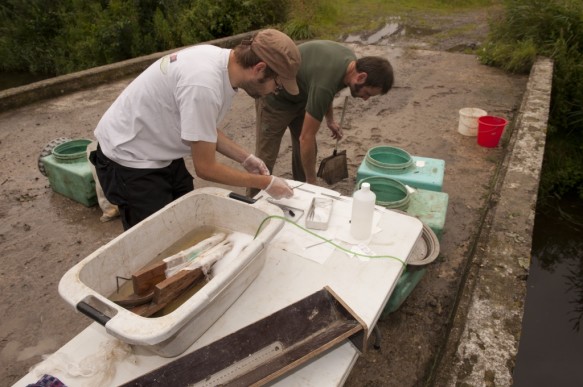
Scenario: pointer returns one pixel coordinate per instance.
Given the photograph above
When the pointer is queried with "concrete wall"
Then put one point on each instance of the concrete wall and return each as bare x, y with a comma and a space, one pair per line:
54, 87
483, 341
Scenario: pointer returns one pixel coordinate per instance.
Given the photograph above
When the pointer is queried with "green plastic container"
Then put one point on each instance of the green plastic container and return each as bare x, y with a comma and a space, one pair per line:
405, 285
425, 251
418, 172
69, 172
429, 207
390, 193
389, 159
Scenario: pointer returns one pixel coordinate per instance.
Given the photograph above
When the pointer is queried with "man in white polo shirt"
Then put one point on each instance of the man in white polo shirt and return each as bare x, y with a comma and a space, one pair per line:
173, 109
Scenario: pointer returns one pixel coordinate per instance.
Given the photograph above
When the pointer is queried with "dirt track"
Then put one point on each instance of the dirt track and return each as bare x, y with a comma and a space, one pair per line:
43, 234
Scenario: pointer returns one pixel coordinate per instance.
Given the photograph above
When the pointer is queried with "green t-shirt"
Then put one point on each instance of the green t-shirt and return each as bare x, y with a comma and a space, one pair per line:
319, 78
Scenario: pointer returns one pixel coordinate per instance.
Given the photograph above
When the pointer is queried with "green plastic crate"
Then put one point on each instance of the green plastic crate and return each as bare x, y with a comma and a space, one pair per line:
429, 207
395, 163
69, 172
405, 285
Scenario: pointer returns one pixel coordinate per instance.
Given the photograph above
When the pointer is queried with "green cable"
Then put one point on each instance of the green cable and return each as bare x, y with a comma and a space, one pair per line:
324, 239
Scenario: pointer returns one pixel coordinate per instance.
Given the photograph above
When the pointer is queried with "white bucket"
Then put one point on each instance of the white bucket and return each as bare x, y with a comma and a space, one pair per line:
468, 125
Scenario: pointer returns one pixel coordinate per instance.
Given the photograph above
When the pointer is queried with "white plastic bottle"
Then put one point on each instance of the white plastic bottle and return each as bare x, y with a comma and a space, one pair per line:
363, 203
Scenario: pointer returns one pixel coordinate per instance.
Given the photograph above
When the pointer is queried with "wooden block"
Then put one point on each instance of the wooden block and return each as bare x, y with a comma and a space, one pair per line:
168, 290
172, 287
147, 277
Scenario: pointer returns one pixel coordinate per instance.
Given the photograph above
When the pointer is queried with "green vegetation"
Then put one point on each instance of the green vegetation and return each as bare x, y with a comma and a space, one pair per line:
554, 29
330, 19
61, 36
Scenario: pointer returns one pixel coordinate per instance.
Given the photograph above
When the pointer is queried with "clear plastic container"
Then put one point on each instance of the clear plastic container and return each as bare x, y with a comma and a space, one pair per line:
363, 204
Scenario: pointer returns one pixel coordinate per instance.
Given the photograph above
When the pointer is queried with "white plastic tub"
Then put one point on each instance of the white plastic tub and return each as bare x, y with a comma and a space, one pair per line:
88, 284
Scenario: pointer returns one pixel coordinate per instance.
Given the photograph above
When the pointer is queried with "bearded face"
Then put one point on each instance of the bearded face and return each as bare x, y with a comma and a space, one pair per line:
359, 90
261, 87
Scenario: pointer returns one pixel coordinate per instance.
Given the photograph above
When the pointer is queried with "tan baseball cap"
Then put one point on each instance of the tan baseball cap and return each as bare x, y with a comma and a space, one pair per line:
281, 54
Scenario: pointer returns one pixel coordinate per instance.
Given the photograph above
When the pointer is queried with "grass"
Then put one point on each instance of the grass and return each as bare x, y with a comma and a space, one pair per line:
330, 19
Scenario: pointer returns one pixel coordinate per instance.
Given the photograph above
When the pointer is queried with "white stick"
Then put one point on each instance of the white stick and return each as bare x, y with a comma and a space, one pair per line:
207, 259
187, 255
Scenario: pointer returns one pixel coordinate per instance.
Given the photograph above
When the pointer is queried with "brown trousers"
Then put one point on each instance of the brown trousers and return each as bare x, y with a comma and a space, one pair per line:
271, 124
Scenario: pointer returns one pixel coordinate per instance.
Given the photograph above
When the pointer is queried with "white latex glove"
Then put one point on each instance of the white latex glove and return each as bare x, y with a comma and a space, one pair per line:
279, 189
254, 164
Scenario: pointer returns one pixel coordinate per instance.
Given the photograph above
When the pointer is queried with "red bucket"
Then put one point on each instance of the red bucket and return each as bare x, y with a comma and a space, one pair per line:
490, 129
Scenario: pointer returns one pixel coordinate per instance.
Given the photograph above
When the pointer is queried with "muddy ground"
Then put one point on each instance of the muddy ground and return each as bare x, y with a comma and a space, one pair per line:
43, 234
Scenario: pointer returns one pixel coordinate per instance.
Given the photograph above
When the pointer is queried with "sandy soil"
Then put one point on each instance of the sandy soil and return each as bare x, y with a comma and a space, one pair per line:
43, 234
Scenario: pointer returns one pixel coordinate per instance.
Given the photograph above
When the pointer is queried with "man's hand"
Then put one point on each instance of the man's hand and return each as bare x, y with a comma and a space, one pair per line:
335, 129
279, 189
254, 164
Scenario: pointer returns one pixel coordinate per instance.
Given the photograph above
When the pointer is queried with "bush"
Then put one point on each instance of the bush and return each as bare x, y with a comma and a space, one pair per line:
28, 29
551, 28
513, 57
61, 36
210, 19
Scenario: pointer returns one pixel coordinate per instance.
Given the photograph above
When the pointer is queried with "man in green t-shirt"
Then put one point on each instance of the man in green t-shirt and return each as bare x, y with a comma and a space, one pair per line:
327, 67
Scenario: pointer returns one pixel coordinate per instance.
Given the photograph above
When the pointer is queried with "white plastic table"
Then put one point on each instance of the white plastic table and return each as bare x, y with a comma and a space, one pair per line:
292, 271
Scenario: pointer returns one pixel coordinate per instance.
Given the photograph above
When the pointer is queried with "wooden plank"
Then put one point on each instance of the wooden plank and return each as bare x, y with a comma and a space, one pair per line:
266, 349
172, 287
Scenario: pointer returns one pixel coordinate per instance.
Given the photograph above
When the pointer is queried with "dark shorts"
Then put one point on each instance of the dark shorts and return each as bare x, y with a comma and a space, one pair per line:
140, 192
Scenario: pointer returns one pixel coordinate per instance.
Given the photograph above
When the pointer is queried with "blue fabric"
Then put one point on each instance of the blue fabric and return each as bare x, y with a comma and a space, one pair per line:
48, 381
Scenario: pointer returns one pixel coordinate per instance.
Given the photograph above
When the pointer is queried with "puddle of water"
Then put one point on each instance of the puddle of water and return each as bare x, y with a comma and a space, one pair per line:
389, 30
551, 345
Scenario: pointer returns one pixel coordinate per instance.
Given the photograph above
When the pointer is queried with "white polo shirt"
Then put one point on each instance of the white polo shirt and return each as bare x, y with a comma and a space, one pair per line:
182, 97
